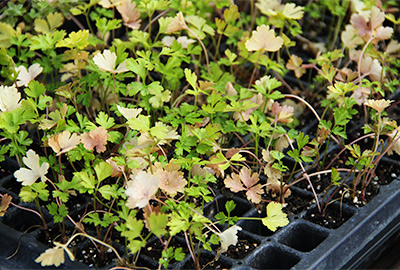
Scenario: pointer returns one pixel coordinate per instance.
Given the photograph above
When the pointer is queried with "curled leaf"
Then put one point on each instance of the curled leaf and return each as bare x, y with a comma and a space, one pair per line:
63, 142
176, 24
4, 204
229, 237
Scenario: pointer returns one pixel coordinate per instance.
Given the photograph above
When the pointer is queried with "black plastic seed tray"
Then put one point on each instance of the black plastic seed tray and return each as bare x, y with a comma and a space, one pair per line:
300, 245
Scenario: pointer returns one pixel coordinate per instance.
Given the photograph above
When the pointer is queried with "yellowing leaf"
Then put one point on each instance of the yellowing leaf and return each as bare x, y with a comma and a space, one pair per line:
75, 40
264, 39
107, 62
157, 222
129, 113
294, 64
275, 217
52, 256
6, 33
269, 7
54, 20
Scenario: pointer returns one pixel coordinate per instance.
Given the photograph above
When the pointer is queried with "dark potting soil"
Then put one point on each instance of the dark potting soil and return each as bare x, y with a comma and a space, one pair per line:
83, 249
154, 249
297, 203
387, 171
208, 262
242, 248
319, 182
333, 218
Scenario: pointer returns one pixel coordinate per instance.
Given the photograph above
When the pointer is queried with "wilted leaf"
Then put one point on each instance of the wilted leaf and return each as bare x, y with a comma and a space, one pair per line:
129, 13
63, 142
229, 237
177, 23
4, 204
373, 30
235, 183
172, 180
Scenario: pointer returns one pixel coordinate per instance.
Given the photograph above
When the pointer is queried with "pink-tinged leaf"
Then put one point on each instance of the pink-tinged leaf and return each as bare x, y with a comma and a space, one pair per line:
247, 178
96, 138
254, 193
359, 23
171, 179
130, 14
233, 183
141, 189
377, 17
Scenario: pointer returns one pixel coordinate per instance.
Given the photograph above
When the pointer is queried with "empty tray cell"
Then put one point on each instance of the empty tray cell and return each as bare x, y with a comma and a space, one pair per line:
303, 237
218, 205
387, 170
10, 184
272, 257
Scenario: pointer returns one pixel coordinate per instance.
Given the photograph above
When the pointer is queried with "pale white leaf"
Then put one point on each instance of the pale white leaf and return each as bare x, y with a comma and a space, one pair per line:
34, 171
229, 237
